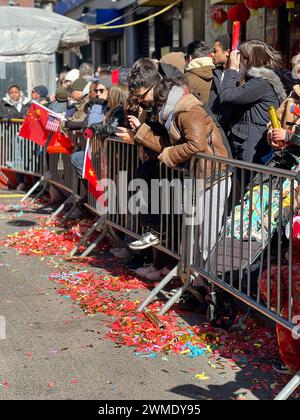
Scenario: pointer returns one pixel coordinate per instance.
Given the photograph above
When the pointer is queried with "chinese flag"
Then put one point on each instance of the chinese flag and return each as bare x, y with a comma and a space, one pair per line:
34, 125
60, 143
89, 172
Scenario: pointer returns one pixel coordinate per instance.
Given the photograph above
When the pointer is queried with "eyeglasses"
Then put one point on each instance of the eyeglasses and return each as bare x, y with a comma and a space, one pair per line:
100, 91
143, 96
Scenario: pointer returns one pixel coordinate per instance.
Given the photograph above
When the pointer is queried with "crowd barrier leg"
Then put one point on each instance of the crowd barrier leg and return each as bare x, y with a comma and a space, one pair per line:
289, 388
33, 188
60, 208
76, 202
43, 190
175, 297
159, 288
98, 225
87, 252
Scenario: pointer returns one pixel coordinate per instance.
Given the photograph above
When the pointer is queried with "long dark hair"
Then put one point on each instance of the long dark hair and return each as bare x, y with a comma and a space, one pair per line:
257, 54
162, 90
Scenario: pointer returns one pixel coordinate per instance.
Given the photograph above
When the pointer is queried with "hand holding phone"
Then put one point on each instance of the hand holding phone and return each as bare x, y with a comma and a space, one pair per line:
235, 60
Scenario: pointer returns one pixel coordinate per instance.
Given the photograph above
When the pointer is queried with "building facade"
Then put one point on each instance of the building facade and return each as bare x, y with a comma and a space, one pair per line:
172, 30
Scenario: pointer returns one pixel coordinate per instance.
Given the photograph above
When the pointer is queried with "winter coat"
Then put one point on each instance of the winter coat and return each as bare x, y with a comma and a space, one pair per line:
200, 77
108, 128
192, 131
221, 112
58, 107
286, 117
78, 121
8, 108
249, 110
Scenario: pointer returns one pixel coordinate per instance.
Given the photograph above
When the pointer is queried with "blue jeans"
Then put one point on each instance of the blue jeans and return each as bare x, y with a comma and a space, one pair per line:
77, 160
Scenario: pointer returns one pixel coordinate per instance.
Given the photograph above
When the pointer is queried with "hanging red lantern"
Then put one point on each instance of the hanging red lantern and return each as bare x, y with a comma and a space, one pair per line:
219, 16
254, 4
239, 13
273, 4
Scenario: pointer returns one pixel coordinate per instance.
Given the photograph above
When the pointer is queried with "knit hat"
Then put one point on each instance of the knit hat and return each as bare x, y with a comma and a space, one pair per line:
41, 90
79, 84
61, 95
176, 59
72, 75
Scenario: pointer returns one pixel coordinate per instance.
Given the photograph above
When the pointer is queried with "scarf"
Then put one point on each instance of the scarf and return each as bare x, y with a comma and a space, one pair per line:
166, 114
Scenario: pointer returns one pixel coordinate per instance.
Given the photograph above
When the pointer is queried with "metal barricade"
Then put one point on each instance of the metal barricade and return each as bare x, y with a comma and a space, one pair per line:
17, 153
232, 227
236, 240
236, 232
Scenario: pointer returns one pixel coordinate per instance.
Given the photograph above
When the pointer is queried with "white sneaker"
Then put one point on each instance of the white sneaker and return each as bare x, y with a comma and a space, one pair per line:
157, 275
122, 253
147, 240
144, 271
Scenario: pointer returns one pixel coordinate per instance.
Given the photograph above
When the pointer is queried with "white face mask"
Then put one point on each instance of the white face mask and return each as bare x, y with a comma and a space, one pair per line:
72, 102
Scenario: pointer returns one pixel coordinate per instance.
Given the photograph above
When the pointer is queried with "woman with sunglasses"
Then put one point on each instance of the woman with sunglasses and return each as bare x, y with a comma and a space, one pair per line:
102, 89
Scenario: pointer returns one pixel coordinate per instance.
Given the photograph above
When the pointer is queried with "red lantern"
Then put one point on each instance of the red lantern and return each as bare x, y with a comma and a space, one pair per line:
254, 4
273, 4
219, 16
239, 13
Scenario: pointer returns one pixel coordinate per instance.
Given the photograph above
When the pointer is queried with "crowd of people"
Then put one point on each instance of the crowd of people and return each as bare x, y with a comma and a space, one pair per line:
213, 101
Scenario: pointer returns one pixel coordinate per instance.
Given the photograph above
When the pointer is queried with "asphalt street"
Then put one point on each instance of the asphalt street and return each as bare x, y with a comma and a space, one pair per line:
52, 350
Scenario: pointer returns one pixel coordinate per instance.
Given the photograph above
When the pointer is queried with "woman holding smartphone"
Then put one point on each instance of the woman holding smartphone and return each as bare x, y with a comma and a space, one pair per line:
250, 86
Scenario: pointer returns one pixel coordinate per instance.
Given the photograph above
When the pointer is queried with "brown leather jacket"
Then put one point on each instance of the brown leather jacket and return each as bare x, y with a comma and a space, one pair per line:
192, 131
287, 119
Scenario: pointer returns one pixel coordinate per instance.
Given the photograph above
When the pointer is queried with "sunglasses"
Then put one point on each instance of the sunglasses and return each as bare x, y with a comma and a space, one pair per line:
143, 96
100, 91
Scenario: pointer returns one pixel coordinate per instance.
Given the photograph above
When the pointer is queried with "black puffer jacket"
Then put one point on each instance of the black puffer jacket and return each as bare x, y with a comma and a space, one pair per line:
249, 105
8, 108
107, 128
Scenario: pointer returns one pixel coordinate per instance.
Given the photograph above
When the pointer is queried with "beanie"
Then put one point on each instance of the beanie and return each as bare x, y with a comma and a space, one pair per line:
61, 95
41, 90
79, 84
72, 75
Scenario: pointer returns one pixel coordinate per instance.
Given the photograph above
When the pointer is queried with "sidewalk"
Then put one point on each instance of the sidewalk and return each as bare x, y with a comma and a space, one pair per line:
53, 350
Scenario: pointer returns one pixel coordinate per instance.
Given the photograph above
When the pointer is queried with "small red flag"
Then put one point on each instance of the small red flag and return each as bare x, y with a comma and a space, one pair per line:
295, 110
60, 143
89, 172
36, 124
